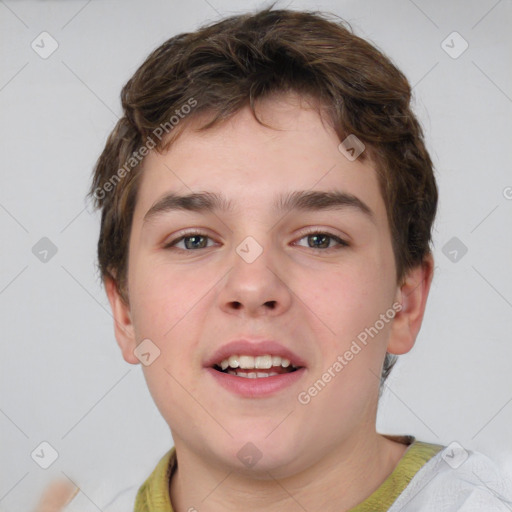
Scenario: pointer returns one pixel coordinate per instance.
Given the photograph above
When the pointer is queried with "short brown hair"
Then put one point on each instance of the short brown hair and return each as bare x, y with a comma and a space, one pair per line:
227, 65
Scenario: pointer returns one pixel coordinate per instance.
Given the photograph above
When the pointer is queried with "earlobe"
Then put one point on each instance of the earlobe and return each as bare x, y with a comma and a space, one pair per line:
123, 326
412, 295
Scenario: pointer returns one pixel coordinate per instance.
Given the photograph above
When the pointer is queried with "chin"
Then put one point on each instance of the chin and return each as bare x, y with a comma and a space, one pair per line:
257, 456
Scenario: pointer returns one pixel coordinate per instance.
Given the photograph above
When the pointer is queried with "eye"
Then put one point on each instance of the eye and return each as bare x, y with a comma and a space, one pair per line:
322, 241
192, 241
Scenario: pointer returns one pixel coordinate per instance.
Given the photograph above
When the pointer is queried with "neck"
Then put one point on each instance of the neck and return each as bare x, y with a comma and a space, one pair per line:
337, 482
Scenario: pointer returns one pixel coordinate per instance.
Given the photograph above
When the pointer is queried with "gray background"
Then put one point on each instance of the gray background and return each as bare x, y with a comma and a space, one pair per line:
62, 377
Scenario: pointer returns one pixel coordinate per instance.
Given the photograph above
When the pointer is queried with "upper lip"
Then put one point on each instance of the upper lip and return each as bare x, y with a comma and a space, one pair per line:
253, 348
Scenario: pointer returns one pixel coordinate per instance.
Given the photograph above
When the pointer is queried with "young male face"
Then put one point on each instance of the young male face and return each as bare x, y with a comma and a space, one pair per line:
312, 301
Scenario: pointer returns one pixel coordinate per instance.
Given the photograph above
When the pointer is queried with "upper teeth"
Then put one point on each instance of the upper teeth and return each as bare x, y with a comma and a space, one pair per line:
249, 362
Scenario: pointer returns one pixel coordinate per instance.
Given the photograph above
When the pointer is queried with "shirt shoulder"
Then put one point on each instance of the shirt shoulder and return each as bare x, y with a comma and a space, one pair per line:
459, 480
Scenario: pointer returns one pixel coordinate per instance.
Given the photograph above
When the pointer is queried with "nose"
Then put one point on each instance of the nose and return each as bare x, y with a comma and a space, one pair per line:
256, 288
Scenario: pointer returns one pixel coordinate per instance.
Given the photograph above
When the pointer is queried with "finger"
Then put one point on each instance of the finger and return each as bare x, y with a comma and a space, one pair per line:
56, 496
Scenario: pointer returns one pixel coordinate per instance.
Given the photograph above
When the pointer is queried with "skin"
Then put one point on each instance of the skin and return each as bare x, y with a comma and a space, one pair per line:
325, 455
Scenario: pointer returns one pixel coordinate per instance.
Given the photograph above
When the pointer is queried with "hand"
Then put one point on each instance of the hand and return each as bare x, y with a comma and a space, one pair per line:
56, 496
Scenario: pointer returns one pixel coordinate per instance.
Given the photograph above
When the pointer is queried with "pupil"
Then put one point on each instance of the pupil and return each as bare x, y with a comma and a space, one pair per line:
193, 245
324, 237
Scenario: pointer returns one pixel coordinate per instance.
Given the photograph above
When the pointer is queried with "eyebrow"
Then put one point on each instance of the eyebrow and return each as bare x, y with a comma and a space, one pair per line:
299, 200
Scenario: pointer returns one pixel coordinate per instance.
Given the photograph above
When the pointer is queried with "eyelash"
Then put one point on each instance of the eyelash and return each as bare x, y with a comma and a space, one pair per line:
190, 234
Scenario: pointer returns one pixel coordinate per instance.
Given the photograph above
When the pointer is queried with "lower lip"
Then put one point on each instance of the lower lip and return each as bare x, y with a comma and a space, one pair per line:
259, 387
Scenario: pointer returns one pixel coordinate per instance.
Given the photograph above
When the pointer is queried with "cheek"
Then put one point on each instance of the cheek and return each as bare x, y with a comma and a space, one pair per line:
349, 301
344, 299
166, 305
162, 297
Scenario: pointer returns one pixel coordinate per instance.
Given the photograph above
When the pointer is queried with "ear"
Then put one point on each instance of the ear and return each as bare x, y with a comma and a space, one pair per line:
123, 326
412, 295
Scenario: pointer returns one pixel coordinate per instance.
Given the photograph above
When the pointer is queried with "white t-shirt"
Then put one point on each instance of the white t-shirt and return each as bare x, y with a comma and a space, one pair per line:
451, 482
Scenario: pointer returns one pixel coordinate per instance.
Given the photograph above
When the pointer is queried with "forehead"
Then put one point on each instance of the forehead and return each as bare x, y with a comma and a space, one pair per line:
254, 166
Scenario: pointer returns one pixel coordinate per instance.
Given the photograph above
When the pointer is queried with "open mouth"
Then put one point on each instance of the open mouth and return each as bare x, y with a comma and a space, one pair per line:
256, 376
256, 373
255, 367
